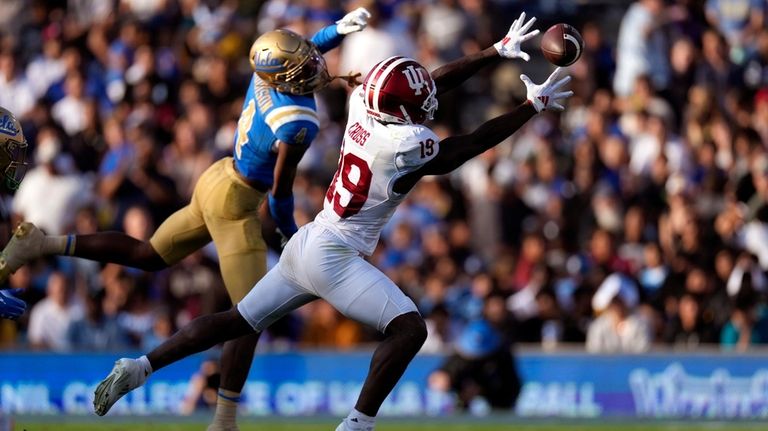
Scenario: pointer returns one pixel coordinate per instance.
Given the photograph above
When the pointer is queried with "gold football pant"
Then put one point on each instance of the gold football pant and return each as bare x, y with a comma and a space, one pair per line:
224, 209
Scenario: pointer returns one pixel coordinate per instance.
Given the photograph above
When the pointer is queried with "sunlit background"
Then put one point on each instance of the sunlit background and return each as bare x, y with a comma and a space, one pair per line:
608, 261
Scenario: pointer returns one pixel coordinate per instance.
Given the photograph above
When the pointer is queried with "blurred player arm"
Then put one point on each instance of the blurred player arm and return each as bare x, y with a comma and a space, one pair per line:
456, 72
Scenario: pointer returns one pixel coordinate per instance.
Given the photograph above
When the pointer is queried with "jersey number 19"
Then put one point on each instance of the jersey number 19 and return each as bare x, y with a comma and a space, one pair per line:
357, 186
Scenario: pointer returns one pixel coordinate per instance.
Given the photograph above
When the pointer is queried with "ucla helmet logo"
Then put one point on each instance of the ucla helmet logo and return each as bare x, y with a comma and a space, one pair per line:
264, 62
8, 125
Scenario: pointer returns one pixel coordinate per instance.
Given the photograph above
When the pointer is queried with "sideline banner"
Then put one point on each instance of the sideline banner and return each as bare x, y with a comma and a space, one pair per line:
710, 386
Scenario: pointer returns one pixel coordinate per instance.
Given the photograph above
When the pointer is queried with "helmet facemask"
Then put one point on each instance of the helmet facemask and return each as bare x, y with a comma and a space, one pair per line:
16, 164
430, 104
310, 75
429, 107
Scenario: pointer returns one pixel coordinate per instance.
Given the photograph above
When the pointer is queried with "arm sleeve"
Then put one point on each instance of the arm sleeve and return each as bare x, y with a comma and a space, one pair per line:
281, 210
415, 152
297, 133
327, 38
294, 125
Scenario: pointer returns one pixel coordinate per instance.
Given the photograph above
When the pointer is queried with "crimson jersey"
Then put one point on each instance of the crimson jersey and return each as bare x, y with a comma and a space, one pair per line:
360, 199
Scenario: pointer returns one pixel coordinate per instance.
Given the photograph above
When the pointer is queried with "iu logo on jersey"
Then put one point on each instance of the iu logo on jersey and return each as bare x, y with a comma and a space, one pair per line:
415, 79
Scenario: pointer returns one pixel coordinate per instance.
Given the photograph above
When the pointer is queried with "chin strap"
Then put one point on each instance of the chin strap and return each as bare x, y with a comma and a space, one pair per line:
352, 79
405, 114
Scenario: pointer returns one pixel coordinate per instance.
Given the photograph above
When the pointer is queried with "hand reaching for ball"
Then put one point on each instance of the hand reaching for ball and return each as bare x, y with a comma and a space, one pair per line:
549, 94
509, 47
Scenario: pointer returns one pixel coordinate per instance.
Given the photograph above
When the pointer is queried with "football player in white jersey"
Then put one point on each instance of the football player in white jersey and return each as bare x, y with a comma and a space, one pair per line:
385, 151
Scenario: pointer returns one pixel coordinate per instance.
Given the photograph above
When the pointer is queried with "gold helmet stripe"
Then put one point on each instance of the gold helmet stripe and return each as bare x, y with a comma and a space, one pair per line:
286, 114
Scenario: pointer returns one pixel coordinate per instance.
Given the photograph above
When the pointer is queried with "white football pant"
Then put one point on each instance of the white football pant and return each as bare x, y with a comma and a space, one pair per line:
317, 264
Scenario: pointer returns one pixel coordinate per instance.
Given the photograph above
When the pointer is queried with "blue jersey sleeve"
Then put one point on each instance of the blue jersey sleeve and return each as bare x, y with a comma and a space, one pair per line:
297, 132
293, 124
327, 38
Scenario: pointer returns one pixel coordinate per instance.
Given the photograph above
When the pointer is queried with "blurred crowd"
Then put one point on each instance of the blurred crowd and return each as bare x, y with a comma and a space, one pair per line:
636, 218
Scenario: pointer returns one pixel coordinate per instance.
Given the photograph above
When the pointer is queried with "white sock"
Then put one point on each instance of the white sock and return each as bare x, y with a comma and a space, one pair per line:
145, 366
225, 416
357, 421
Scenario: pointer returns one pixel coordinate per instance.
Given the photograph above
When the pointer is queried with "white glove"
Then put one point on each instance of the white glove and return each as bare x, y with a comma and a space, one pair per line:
353, 21
547, 95
509, 47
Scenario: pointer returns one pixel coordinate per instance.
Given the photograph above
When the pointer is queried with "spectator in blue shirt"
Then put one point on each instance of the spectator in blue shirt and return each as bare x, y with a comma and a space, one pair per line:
96, 331
739, 21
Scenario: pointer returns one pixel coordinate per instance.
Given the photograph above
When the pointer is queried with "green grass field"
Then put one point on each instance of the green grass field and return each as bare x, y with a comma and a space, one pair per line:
146, 424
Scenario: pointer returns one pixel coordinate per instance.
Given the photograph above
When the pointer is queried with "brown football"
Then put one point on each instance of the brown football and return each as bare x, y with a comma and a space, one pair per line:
562, 45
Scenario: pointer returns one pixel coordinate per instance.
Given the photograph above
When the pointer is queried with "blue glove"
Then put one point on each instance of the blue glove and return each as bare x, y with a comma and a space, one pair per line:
11, 307
281, 210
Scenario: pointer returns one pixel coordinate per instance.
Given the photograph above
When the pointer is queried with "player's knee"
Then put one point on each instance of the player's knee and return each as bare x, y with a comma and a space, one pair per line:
239, 326
223, 326
409, 326
419, 332
149, 258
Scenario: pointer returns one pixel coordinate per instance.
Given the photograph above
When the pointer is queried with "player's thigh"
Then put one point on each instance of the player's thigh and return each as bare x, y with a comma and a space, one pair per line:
363, 293
227, 196
271, 298
242, 252
232, 215
181, 234
241, 271
185, 231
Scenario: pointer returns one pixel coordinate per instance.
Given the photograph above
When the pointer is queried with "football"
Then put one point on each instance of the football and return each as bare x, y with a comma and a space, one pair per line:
562, 45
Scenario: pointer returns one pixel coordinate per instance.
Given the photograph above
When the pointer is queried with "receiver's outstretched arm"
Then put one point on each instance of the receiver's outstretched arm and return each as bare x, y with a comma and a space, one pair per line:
456, 72
456, 150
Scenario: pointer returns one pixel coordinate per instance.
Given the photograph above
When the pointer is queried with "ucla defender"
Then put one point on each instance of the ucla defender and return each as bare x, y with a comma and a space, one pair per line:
13, 165
277, 124
385, 151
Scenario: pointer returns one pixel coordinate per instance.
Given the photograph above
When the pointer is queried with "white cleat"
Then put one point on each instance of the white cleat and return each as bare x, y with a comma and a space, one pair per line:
25, 244
126, 376
343, 427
